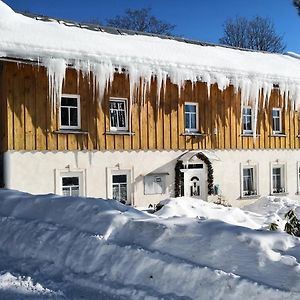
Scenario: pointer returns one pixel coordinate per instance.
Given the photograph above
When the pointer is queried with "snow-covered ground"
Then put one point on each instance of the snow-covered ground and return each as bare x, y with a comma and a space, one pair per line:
54, 247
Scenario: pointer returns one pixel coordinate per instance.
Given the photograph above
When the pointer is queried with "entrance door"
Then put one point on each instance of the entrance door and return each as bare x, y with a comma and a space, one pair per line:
195, 183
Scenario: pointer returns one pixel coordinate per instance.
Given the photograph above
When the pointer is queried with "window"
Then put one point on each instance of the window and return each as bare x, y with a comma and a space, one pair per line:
154, 184
118, 114
191, 117
119, 188
278, 179
249, 181
70, 112
277, 120
70, 186
247, 120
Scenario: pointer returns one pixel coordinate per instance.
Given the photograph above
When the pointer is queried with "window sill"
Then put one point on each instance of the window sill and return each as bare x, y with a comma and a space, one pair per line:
249, 135
278, 135
279, 194
119, 133
70, 131
249, 197
193, 134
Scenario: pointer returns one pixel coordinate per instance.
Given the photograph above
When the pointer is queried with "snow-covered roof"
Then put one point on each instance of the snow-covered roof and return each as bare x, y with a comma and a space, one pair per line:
56, 46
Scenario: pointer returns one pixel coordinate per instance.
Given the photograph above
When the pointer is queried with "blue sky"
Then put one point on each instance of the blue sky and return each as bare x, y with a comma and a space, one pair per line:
196, 19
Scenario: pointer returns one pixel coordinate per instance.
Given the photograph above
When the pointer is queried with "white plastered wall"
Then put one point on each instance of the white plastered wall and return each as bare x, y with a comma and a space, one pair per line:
38, 172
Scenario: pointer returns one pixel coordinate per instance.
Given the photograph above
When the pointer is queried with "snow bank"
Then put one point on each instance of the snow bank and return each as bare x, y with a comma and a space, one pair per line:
192, 208
144, 57
104, 246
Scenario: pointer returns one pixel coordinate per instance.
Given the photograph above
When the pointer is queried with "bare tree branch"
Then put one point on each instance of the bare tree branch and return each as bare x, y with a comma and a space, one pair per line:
258, 34
297, 4
141, 20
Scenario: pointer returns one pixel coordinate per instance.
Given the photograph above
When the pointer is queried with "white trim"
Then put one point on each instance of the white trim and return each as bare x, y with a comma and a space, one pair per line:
125, 100
74, 96
68, 172
117, 171
280, 120
197, 117
255, 167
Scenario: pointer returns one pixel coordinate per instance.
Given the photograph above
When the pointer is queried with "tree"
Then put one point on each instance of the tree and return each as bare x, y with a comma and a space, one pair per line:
141, 20
257, 34
297, 4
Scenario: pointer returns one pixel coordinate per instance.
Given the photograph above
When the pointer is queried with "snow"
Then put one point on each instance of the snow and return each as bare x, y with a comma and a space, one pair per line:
72, 248
57, 46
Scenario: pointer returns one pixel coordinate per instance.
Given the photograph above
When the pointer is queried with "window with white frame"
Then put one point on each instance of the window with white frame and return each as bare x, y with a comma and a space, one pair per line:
119, 187
118, 114
277, 120
191, 117
70, 112
247, 120
249, 181
278, 179
154, 184
70, 186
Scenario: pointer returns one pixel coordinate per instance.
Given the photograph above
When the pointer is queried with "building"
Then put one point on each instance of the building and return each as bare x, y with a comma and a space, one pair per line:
102, 112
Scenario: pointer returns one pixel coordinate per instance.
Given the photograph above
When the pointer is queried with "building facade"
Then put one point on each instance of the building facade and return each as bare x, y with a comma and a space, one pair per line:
100, 118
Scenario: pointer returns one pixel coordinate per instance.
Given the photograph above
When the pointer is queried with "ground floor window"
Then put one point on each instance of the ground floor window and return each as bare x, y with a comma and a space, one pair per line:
119, 187
278, 179
249, 181
70, 186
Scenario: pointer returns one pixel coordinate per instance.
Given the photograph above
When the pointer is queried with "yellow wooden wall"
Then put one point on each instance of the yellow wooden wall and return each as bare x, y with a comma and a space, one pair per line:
27, 122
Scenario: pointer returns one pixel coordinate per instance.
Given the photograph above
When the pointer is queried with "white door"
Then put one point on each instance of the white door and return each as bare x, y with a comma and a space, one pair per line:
195, 183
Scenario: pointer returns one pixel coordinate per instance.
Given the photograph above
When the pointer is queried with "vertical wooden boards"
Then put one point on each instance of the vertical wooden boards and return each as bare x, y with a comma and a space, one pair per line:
167, 116
28, 124
174, 117
3, 109
41, 103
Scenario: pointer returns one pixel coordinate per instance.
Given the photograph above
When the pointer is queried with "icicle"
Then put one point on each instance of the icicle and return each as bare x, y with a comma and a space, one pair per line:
56, 71
103, 74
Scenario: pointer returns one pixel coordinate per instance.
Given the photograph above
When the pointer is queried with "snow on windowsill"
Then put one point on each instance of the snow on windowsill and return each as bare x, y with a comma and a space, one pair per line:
119, 133
279, 194
70, 131
278, 135
193, 134
249, 197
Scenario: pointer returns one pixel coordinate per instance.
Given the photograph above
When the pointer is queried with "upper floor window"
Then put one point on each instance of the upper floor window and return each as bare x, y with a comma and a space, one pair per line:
247, 120
277, 120
70, 112
191, 117
118, 114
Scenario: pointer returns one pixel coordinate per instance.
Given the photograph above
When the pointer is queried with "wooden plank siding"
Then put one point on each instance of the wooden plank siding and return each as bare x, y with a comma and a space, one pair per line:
28, 124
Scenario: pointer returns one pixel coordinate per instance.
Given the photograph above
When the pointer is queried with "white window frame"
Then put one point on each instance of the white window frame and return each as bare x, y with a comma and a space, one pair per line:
254, 166
117, 128
109, 187
68, 172
247, 131
197, 117
280, 120
152, 190
283, 178
74, 96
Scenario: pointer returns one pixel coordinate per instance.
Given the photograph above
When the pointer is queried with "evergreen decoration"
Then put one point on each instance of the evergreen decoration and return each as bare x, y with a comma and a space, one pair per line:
210, 173
179, 181
179, 177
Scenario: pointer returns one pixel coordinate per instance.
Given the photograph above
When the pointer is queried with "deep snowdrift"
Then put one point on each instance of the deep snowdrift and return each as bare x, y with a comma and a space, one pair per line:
106, 248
